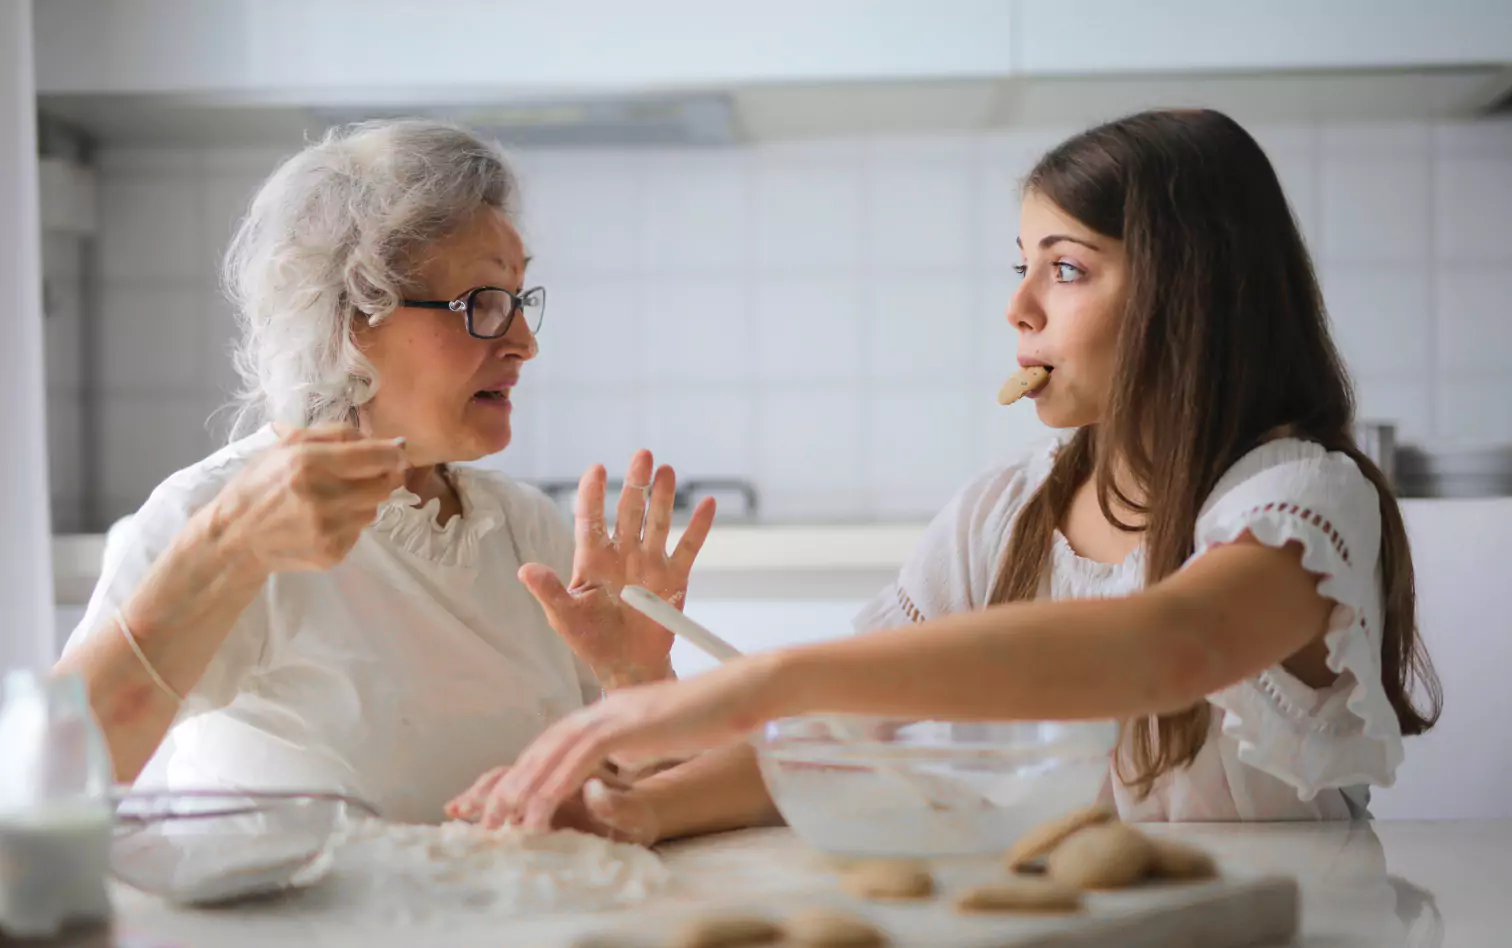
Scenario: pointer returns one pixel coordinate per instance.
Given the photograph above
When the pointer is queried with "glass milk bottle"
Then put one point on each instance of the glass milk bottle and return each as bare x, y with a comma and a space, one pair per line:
55, 809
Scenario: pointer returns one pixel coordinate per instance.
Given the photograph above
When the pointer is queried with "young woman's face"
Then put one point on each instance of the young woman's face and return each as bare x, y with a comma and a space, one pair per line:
1066, 310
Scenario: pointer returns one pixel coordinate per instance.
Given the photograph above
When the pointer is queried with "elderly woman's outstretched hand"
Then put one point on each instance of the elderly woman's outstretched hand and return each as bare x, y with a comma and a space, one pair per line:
618, 643
303, 503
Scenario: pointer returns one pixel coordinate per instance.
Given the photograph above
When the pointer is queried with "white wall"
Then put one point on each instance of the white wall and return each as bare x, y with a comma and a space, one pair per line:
824, 318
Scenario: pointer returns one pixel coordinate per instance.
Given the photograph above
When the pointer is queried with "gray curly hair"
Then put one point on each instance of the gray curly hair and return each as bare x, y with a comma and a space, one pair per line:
335, 235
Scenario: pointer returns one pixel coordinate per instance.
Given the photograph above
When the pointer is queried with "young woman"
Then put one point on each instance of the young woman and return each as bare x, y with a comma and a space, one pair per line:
1209, 557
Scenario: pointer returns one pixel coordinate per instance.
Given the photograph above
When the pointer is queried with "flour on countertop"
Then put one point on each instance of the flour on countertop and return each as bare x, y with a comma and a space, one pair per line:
403, 873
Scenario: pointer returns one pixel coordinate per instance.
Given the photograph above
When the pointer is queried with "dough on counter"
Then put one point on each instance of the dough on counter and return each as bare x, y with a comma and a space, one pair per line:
888, 879
1171, 859
1020, 894
1106, 856
1038, 842
827, 928
727, 931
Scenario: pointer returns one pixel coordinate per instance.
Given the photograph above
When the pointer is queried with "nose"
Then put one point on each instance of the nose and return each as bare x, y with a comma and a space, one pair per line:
1025, 313
518, 342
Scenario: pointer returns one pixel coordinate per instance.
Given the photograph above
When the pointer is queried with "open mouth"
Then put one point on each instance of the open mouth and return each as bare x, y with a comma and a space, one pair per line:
496, 396
1049, 372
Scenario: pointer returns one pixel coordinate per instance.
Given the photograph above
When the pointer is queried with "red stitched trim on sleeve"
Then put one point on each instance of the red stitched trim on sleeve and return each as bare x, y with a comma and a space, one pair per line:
1307, 515
908, 607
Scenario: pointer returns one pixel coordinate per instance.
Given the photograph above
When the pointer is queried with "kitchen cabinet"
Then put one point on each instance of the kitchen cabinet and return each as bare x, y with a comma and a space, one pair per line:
1114, 37
283, 49
279, 52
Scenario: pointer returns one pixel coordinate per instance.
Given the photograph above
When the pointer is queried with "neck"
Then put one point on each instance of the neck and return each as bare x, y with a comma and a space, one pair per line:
428, 483
1127, 485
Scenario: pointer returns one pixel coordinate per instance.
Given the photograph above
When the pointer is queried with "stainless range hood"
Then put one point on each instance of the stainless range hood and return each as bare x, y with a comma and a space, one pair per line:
694, 120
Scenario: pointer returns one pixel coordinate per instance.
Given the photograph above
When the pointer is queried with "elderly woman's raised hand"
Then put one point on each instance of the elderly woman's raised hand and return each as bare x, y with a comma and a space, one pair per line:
302, 504
619, 644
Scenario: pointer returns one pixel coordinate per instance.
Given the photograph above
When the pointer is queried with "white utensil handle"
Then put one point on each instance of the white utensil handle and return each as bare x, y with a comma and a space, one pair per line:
653, 607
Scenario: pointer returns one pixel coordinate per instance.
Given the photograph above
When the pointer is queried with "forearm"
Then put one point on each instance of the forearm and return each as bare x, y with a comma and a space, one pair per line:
712, 793
1082, 659
180, 615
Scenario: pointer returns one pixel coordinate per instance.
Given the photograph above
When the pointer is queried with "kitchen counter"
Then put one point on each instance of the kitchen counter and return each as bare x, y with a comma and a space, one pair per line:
738, 559
832, 560
1383, 884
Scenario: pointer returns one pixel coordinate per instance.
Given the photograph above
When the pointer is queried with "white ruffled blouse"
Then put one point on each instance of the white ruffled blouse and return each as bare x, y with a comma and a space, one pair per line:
1278, 749
399, 675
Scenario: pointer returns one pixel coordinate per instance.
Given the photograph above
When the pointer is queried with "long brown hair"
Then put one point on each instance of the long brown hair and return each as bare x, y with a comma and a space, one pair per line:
1223, 341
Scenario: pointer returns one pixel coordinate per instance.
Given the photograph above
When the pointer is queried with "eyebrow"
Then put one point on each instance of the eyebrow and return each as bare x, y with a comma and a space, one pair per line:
1051, 240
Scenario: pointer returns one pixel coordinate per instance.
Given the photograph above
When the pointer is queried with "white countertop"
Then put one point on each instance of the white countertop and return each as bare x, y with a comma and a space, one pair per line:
1363, 885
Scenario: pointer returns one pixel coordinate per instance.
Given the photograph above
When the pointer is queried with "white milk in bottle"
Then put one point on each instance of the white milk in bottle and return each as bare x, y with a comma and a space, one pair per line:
55, 811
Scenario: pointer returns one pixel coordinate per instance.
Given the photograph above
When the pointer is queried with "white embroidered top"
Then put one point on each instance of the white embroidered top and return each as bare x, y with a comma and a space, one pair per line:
400, 675
1278, 750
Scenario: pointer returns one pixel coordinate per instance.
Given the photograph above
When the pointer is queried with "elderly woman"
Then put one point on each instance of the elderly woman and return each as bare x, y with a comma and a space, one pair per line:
329, 601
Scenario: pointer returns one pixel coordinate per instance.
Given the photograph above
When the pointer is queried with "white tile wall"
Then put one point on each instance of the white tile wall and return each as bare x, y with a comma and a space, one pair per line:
698, 210
1375, 211
151, 228
809, 328
698, 329
919, 326
811, 459
918, 212
65, 460
145, 438
825, 318
1382, 316
806, 215
150, 334
918, 444
1475, 318
706, 431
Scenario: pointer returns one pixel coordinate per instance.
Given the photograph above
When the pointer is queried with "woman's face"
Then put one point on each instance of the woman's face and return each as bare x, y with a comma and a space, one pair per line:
1066, 311
446, 392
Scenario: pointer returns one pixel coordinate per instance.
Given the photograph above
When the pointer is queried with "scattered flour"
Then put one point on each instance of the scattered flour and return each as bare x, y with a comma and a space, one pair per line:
413, 874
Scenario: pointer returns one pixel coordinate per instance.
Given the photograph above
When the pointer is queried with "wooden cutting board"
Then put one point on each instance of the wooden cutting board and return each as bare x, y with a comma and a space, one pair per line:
770, 873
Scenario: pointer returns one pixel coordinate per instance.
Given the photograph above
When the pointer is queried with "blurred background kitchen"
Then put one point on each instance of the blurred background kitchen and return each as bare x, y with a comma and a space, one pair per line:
777, 240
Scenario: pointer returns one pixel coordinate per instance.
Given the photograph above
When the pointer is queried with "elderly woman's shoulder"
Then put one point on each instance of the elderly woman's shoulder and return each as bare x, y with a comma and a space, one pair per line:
196, 485
184, 492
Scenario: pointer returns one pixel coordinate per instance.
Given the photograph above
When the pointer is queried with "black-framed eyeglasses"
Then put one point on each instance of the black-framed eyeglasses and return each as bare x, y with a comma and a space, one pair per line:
491, 310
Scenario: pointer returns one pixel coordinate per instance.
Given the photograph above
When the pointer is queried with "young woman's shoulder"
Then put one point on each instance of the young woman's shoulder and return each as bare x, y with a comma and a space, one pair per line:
1289, 482
1292, 492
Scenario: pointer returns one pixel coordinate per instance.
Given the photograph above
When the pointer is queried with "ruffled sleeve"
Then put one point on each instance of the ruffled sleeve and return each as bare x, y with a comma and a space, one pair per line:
955, 564
1346, 734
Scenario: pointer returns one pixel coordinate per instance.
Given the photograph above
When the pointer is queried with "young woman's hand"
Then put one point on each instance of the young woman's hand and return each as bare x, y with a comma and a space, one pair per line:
637, 727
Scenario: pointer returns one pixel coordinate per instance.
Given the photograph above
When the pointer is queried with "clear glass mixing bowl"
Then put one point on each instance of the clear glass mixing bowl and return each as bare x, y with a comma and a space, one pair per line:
853, 786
